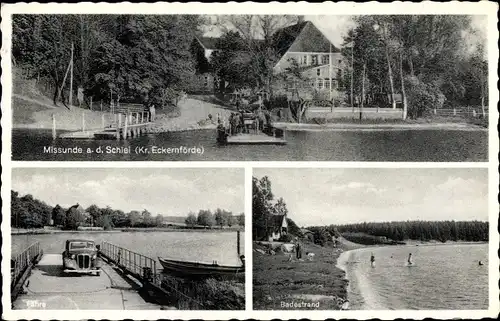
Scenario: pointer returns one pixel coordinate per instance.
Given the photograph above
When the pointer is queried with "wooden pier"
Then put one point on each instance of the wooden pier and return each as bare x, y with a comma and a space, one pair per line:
128, 122
128, 281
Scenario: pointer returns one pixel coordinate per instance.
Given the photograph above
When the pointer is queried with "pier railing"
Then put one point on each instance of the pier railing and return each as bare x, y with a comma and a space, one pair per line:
21, 264
138, 265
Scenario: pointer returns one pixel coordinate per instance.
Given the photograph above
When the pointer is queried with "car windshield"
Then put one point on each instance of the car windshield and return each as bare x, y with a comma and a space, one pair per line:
81, 245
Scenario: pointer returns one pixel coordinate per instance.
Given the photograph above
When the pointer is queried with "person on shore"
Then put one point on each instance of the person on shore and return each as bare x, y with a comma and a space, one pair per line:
372, 260
231, 123
409, 260
481, 263
152, 113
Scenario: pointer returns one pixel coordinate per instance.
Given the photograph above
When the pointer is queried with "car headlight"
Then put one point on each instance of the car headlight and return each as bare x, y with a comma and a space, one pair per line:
94, 256
72, 256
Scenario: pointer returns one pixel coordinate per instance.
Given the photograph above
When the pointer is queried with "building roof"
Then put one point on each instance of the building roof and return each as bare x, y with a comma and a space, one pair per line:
277, 221
302, 37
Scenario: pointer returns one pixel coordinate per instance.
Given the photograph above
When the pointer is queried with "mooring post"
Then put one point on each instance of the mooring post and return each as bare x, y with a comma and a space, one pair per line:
90, 102
118, 127
125, 127
54, 135
238, 242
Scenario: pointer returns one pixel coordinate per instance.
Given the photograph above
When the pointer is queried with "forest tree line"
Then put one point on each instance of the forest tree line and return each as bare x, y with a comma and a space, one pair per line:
442, 231
135, 58
219, 218
29, 212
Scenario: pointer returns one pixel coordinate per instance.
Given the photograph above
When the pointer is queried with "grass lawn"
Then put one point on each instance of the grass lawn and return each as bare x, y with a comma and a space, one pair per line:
319, 283
24, 110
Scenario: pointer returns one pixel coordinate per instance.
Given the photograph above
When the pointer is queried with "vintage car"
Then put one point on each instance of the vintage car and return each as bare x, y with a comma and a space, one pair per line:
80, 256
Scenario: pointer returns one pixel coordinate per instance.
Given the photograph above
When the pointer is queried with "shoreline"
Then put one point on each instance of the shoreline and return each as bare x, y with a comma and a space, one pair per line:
167, 230
377, 127
344, 257
338, 127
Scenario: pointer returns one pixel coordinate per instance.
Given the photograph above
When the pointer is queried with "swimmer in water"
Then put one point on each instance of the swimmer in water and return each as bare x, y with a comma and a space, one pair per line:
481, 263
409, 260
372, 260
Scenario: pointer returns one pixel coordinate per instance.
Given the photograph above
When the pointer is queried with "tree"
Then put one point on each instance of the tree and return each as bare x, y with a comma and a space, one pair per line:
220, 217
146, 218
134, 218
241, 219
205, 218
191, 220
257, 32
74, 218
59, 215
230, 219
158, 220
95, 214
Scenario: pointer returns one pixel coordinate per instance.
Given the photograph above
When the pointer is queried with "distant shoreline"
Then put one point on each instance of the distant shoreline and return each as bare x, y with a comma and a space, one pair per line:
146, 230
378, 127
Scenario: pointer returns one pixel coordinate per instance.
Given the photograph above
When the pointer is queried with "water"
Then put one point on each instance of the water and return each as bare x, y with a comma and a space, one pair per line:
192, 246
442, 277
386, 145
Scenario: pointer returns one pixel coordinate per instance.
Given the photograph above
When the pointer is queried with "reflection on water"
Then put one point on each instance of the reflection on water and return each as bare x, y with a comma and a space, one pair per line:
442, 277
390, 145
190, 246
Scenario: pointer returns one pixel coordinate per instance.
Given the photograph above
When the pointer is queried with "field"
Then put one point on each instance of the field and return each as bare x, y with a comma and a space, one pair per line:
317, 284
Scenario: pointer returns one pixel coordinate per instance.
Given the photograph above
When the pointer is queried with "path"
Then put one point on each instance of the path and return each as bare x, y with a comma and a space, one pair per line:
192, 111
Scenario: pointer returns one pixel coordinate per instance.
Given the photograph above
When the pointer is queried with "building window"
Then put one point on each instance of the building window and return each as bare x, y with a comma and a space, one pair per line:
318, 72
320, 83
340, 62
327, 83
304, 60
206, 81
335, 84
326, 59
314, 59
313, 83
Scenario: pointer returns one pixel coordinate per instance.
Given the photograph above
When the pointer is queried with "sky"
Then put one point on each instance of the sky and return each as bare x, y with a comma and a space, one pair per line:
340, 196
335, 27
170, 192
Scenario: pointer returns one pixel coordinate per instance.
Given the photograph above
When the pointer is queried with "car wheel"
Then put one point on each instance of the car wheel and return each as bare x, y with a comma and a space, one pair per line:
98, 273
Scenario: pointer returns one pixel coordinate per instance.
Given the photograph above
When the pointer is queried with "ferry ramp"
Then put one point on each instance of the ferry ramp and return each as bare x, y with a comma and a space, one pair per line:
48, 287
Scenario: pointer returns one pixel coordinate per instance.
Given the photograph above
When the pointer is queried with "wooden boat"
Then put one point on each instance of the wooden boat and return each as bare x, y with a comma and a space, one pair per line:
201, 270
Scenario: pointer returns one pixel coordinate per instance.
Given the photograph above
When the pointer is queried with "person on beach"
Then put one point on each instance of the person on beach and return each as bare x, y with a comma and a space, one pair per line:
409, 260
372, 260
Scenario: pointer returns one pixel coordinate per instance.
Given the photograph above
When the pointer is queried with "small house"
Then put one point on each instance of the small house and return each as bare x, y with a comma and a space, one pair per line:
279, 227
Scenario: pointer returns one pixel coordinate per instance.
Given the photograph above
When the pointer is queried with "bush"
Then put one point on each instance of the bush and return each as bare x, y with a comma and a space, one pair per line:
422, 97
287, 238
277, 101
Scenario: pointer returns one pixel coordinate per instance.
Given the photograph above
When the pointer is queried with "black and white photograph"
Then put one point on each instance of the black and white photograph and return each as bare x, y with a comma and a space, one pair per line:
274, 87
127, 239
370, 239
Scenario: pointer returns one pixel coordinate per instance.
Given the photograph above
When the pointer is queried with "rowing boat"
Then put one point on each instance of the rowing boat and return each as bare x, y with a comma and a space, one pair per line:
196, 269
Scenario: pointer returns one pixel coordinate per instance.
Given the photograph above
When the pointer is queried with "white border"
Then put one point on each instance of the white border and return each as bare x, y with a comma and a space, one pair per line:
427, 7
